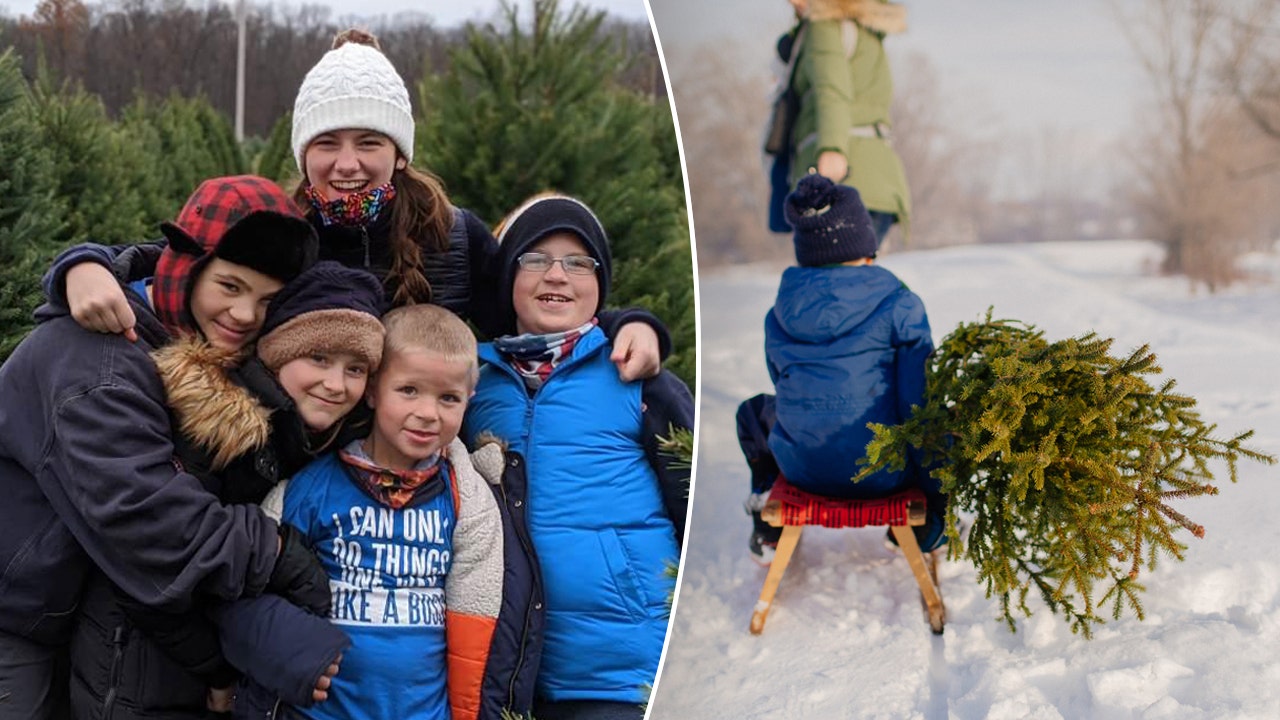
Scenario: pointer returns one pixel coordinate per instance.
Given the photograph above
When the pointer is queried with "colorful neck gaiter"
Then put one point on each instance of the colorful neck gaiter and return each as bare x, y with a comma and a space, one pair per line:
353, 209
397, 488
535, 356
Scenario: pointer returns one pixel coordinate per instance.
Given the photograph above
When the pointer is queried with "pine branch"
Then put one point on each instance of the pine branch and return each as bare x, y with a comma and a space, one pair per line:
1067, 458
678, 444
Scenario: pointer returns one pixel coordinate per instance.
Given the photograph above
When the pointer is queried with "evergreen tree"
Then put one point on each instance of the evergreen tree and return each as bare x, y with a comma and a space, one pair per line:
182, 142
94, 165
536, 106
276, 160
1068, 460
30, 213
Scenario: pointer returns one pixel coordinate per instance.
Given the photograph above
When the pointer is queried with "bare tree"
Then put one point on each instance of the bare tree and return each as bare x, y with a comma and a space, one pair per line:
60, 27
1191, 193
721, 111
1249, 70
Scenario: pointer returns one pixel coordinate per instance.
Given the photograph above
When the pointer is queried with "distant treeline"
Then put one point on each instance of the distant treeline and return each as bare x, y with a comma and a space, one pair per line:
118, 49
517, 107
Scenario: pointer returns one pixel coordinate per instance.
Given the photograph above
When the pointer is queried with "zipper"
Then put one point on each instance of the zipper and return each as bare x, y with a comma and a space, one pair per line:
364, 240
522, 535
117, 661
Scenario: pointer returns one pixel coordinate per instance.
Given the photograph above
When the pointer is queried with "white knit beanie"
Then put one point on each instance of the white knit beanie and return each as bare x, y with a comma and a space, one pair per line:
353, 86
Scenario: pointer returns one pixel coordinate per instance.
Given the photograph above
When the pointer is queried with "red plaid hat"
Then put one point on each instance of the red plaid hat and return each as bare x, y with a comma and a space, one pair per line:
243, 219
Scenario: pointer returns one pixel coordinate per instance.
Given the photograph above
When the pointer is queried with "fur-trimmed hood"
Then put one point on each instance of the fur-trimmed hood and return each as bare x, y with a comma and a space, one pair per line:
212, 411
883, 17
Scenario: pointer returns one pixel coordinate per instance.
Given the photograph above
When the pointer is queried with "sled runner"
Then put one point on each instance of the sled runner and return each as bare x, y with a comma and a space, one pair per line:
793, 509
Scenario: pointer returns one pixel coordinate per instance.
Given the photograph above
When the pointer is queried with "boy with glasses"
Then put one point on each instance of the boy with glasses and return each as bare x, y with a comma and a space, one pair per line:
586, 481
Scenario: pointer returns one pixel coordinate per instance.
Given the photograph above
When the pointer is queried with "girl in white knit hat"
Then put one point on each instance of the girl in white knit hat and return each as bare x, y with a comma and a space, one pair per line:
353, 130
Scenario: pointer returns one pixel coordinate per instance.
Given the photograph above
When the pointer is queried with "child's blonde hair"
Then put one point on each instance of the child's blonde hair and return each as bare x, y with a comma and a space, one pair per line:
433, 329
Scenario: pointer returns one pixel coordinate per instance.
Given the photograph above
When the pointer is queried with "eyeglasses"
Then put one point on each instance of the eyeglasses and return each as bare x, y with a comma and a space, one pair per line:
572, 264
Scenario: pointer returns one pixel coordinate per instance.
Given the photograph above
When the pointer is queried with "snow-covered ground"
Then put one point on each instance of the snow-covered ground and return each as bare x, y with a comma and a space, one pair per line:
846, 637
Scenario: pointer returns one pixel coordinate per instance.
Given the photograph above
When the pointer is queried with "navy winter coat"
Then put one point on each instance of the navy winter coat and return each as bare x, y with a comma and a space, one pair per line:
88, 478
846, 346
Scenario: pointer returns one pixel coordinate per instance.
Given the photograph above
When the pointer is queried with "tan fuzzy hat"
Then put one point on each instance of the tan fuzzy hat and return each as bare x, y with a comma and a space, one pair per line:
328, 308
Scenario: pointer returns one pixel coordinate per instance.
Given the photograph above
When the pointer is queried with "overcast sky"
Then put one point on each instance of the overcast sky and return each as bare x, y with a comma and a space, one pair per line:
1018, 69
445, 12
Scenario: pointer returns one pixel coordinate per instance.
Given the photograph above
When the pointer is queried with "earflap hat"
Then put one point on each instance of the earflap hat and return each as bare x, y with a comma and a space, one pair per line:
243, 219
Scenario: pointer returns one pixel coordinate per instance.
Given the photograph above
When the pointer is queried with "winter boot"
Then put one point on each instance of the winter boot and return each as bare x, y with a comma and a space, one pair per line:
764, 537
930, 536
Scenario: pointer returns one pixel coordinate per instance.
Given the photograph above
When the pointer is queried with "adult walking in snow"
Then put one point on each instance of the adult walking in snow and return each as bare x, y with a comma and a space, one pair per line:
840, 89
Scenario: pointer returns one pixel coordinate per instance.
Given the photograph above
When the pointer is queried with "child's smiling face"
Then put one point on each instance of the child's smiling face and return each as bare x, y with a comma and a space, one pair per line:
418, 399
324, 386
555, 300
229, 303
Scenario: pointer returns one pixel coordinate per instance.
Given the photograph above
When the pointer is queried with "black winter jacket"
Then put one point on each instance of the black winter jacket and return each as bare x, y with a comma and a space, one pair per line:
516, 649
130, 661
87, 473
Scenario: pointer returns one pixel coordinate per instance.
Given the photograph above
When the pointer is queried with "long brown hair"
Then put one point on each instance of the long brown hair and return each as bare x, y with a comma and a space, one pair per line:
421, 217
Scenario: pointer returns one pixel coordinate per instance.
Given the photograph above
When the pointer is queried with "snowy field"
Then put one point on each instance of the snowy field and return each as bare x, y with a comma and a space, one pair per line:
847, 638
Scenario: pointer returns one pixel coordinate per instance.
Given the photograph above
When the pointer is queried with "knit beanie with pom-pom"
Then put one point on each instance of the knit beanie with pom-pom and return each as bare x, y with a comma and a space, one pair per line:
353, 86
831, 223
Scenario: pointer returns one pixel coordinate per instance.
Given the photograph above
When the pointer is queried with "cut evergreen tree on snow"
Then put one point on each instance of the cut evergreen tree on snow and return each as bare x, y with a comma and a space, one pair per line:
1066, 457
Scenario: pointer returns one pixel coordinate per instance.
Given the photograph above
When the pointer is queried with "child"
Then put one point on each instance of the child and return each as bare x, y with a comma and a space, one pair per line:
241, 431
604, 508
409, 533
846, 344
94, 503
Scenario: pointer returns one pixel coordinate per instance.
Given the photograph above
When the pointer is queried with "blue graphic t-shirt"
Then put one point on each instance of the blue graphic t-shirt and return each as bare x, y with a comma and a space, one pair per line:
387, 570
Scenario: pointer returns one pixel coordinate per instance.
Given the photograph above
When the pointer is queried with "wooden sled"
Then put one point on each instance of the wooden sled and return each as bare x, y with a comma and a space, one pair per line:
792, 509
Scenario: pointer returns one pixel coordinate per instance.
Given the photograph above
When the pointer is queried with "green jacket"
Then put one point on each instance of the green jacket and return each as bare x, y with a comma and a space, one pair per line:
842, 79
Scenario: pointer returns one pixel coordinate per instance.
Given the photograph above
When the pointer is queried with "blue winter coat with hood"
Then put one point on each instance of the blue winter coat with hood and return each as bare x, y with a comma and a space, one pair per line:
845, 346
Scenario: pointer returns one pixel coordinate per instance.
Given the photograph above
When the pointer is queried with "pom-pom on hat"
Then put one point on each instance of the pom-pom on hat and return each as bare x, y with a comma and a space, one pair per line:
243, 219
328, 308
831, 223
353, 86
539, 217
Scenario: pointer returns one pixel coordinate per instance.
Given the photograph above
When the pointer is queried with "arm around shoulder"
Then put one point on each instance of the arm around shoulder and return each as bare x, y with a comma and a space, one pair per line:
153, 529
667, 405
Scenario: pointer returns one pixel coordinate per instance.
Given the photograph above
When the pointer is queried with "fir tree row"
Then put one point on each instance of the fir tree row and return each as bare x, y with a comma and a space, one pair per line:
521, 108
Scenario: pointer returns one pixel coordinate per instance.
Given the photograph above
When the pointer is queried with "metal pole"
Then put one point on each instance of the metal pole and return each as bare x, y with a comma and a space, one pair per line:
240, 18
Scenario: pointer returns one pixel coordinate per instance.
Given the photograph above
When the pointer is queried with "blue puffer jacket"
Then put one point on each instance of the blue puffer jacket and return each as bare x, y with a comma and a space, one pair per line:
596, 514
846, 346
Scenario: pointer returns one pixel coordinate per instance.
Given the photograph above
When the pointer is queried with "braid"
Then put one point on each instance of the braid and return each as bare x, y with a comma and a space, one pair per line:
421, 218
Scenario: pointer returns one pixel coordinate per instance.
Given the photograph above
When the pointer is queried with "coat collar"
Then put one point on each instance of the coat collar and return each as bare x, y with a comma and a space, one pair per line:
212, 411
885, 18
